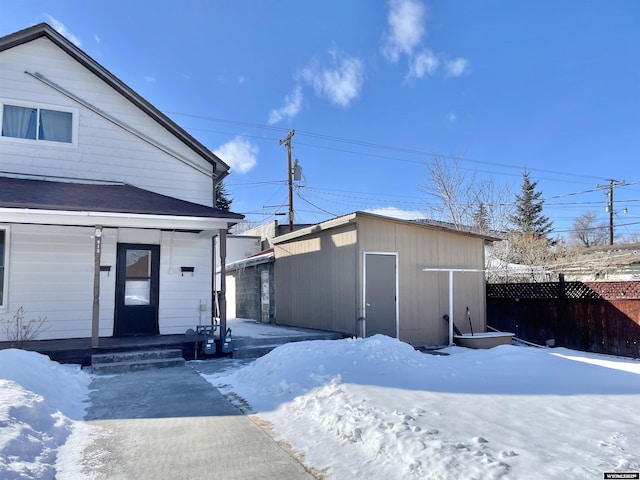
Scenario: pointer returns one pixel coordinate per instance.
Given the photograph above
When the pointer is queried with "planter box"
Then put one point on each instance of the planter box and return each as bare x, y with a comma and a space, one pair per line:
483, 340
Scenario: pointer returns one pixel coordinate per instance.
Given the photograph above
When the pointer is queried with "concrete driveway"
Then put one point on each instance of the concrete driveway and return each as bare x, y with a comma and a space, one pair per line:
172, 424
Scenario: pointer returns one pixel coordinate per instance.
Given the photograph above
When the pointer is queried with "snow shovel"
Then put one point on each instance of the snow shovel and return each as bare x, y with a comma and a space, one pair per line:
469, 317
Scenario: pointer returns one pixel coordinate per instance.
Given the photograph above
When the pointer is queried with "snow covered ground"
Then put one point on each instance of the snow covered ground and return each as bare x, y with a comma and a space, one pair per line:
376, 408
42, 405
373, 408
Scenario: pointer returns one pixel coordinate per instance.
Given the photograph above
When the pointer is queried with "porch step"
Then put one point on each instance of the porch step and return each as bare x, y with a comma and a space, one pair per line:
122, 362
252, 351
257, 347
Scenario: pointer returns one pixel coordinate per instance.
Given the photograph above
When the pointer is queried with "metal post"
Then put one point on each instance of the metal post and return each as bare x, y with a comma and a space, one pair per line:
611, 212
450, 307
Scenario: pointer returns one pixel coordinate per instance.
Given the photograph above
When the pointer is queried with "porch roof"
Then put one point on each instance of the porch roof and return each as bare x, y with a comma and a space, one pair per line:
42, 201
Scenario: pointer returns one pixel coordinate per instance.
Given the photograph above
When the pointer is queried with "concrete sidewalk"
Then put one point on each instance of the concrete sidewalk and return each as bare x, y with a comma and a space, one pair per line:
172, 424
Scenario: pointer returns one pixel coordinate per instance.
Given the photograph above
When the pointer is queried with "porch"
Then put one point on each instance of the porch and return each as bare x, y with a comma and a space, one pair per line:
250, 338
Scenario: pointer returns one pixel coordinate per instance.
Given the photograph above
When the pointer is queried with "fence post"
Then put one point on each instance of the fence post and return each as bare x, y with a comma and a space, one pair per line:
561, 322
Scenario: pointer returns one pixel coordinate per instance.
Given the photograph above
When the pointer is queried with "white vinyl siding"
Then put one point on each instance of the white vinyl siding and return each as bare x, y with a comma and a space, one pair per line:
105, 151
52, 277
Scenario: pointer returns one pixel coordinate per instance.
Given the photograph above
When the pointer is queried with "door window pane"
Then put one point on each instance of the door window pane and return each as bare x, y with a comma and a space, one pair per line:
138, 263
137, 292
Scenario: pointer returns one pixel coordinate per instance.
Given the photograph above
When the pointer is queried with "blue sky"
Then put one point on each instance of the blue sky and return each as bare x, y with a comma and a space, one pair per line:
374, 89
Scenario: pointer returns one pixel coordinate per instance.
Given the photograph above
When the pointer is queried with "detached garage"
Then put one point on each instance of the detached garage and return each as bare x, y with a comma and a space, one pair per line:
365, 274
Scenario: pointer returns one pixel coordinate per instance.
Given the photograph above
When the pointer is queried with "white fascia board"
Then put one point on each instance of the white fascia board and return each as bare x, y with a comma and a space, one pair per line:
320, 227
110, 219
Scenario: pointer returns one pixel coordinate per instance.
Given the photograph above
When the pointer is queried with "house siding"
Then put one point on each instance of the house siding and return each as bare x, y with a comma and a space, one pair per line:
315, 281
51, 276
104, 150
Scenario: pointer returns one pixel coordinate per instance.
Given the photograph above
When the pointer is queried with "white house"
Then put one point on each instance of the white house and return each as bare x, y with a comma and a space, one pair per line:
106, 205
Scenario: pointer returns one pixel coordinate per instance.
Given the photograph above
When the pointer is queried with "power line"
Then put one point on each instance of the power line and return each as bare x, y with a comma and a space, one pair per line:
376, 146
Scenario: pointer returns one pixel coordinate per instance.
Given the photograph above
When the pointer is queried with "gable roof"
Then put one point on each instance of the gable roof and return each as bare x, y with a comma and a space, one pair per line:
22, 193
44, 30
353, 217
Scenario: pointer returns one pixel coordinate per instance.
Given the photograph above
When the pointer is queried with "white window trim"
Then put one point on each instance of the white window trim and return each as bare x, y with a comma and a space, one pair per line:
7, 246
75, 116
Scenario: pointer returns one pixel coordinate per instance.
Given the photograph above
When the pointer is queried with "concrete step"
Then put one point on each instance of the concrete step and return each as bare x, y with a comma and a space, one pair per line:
246, 347
239, 341
252, 351
122, 362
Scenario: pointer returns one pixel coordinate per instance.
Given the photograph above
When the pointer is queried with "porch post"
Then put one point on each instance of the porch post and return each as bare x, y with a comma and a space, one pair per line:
95, 314
222, 298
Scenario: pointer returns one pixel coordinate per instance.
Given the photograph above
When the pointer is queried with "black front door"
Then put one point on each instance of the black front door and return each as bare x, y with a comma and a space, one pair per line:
137, 289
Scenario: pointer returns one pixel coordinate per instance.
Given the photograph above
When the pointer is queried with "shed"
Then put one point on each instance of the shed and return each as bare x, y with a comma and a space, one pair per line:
363, 274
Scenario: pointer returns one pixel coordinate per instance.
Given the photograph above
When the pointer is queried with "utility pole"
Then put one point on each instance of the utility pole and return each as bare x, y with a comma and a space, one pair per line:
612, 183
287, 141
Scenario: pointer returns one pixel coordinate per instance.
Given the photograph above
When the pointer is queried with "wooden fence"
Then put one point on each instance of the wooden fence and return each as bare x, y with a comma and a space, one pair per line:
601, 317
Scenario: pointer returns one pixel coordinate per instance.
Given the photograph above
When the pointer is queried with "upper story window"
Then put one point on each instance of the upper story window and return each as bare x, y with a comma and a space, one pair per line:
35, 123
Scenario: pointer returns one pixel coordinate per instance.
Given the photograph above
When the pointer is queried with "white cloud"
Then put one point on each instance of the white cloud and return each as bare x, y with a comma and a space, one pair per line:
241, 79
291, 107
457, 67
340, 82
394, 212
404, 38
64, 31
149, 78
96, 38
451, 117
239, 154
406, 21
424, 63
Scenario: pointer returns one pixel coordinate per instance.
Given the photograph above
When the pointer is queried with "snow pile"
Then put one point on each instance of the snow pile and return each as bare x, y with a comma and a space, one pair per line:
376, 408
41, 404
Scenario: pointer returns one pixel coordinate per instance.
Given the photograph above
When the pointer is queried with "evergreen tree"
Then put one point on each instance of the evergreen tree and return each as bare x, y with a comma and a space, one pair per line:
481, 219
528, 217
223, 201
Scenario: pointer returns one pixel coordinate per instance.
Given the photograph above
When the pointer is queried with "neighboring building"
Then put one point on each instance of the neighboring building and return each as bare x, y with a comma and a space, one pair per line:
251, 277
106, 205
251, 287
619, 262
365, 273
